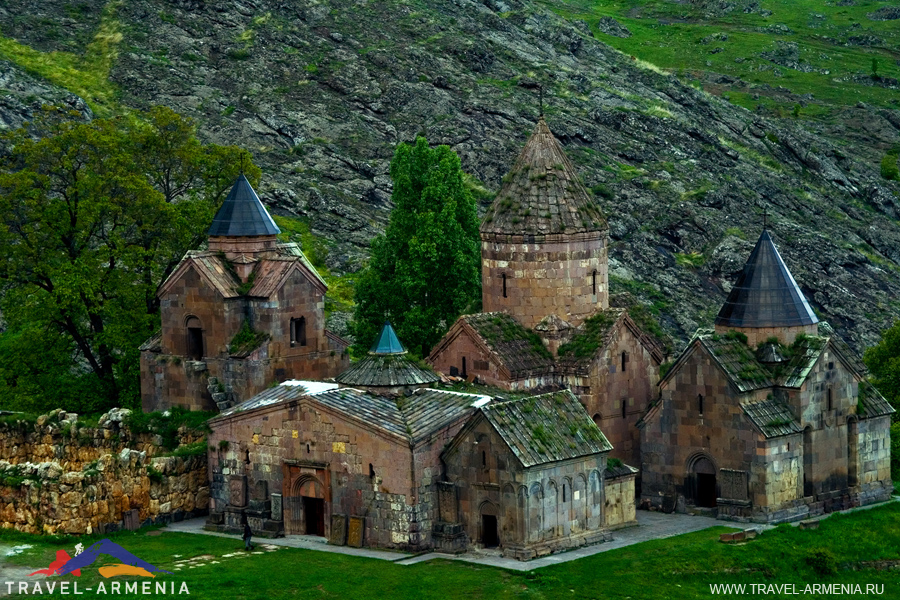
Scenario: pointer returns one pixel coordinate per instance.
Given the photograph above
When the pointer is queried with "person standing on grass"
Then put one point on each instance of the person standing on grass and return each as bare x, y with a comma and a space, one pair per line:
247, 534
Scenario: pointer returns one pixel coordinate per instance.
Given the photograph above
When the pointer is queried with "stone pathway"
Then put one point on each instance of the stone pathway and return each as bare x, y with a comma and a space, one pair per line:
651, 526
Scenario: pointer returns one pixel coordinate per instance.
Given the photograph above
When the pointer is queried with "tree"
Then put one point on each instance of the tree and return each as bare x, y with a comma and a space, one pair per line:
883, 361
424, 271
94, 216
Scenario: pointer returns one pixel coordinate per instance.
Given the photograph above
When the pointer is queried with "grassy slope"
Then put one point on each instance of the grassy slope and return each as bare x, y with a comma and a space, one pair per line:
819, 28
675, 568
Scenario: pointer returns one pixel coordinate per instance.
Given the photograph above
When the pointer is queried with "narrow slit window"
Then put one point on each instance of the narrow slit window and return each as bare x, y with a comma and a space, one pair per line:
483, 458
830, 401
700, 403
464, 374
594, 281
298, 332
624, 407
564, 492
371, 471
194, 339
504, 284
624, 360
247, 456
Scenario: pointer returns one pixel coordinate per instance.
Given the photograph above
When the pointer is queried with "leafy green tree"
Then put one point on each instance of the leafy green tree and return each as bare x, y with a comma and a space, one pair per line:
424, 271
94, 216
883, 361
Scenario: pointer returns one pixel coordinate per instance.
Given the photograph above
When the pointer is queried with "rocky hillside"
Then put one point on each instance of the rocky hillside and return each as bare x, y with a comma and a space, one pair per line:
321, 91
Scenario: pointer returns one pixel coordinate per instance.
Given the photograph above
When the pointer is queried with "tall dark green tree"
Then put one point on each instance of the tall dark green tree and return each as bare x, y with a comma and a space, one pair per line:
93, 216
424, 271
883, 361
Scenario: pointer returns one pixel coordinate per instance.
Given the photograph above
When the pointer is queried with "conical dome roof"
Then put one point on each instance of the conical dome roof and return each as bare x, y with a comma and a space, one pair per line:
542, 194
387, 342
765, 294
242, 214
387, 366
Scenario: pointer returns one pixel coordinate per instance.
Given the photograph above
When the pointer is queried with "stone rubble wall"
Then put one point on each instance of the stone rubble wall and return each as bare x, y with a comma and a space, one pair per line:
58, 478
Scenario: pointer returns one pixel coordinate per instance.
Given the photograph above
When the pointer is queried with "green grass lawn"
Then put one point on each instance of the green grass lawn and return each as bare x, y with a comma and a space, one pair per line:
676, 568
683, 38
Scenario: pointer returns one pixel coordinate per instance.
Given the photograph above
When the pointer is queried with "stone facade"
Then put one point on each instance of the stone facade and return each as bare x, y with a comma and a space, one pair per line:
529, 511
307, 452
531, 277
61, 478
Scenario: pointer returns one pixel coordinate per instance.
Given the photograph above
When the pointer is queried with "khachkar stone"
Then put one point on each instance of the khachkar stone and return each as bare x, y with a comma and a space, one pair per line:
544, 240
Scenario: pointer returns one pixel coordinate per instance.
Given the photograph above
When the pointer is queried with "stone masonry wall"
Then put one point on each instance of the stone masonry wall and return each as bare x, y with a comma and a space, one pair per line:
544, 278
58, 478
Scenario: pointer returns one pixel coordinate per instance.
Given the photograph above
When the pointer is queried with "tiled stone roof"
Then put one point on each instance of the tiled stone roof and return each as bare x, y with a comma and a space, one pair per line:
427, 410
619, 470
873, 403
517, 348
242, 214
591, 337
390, 370
773, 418
806, 351
765, 294
414, 417
546, 428
542, 195
737, 361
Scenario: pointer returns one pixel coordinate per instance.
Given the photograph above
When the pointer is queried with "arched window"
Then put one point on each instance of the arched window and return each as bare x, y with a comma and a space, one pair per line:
830, 401
298, 332
194, 338
700, 403
504, 284
594, 281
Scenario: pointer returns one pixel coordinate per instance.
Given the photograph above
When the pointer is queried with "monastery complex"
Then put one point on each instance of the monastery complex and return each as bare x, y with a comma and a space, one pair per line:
765, 417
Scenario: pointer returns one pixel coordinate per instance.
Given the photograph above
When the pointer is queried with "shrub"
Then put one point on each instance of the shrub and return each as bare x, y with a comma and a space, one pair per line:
822, 561
889, 168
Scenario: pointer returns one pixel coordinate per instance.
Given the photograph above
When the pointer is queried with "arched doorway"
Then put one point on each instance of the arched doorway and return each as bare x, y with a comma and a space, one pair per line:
490, 530
308, 507
704, 475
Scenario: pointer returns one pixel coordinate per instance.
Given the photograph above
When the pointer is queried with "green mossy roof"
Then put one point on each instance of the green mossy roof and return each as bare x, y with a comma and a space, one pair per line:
546, 428
518, 348
591, 337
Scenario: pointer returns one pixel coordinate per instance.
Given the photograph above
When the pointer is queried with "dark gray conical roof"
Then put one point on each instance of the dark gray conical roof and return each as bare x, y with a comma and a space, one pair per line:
242, 214
765, 295
387, 342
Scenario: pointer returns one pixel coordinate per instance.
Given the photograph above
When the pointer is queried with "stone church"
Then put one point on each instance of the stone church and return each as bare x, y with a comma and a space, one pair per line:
247, 311
548, 322
767, 417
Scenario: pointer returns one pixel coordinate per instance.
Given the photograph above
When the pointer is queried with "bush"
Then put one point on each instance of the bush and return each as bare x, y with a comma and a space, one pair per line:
895, 452
822, 561
889, 168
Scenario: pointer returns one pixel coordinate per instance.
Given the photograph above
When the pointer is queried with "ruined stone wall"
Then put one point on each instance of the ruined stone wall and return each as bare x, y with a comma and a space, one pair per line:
304, 441
544, 277
56, 477
608, 386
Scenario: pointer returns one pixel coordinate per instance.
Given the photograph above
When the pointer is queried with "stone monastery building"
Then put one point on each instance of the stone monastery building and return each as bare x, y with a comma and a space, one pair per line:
766, 418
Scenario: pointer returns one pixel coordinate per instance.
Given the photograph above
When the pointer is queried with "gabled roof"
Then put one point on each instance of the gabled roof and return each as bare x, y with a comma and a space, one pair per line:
518, 349
765, 294
269, 273
806, 351
772, 417
387, 370
387, 342
737, 361
542, 194
412, 418
546, 428
592, 336
428, 410
873, 403
242, 214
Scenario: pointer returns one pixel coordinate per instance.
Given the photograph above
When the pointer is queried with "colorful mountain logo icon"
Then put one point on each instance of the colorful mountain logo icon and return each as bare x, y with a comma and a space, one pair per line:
129, 564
